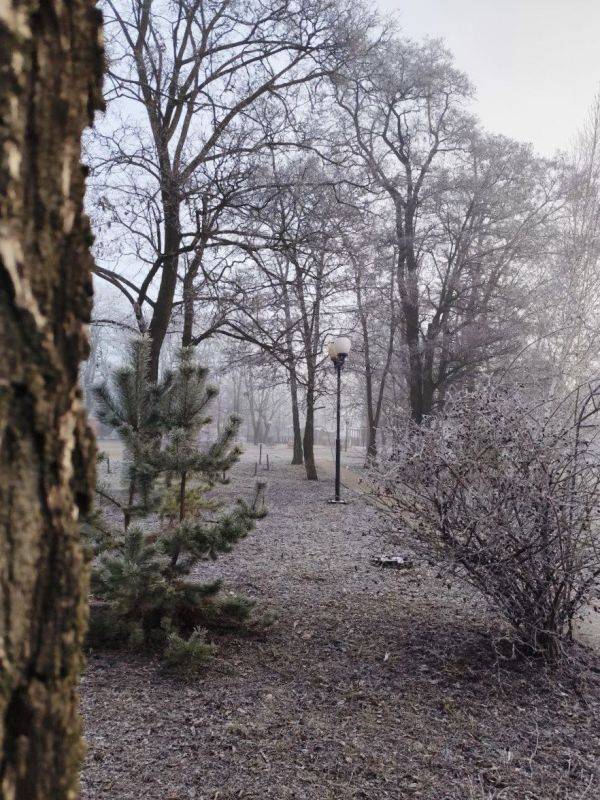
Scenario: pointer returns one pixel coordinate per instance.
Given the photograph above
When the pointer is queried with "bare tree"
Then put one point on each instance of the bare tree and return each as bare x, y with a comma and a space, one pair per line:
493, 218
464, 211
567, 330
185, 83
52, 66
403, 111
286, 305
260, 384
374, 290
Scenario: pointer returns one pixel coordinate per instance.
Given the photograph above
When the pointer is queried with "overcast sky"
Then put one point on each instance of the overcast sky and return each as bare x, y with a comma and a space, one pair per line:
535, 63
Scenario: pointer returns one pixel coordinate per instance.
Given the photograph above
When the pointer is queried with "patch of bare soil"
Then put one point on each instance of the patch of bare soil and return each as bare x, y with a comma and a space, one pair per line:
374, 683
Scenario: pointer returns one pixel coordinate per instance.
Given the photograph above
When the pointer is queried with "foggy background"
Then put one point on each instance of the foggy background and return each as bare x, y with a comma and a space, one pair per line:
534, 63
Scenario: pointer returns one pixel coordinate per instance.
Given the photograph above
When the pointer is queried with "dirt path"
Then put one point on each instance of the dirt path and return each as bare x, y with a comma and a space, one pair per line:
373, 684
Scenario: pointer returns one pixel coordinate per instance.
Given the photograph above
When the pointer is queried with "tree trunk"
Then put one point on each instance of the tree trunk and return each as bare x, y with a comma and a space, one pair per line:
51, 76
408, 288
373, 407
188, 311
298, 451
255, 422
310, 335
309, 434
163, 307
371, 427
415, 365
443, 366
371, 455
428, 366
189, 307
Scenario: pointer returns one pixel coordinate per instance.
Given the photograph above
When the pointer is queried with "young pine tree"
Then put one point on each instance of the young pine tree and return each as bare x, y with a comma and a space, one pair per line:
189, 533
130, 405
144, 580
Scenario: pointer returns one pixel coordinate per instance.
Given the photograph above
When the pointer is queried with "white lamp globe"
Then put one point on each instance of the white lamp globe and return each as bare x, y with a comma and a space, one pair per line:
342, 345
331, 350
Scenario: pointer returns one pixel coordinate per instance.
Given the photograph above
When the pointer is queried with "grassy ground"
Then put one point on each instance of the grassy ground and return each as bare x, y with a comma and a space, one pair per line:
374, 683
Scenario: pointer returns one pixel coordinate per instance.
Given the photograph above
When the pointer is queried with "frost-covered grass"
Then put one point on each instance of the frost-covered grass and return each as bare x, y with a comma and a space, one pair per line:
373, 683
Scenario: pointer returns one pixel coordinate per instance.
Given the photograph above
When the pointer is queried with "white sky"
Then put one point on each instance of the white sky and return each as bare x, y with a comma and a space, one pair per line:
535, 63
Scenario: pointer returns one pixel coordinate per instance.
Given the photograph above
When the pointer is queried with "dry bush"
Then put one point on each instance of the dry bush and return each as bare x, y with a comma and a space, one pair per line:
510, 497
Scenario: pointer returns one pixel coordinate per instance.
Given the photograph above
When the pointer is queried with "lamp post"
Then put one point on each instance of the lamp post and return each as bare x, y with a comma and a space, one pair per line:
338, 351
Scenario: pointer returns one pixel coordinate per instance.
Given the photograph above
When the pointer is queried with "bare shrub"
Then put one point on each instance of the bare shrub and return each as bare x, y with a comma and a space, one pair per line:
510, 497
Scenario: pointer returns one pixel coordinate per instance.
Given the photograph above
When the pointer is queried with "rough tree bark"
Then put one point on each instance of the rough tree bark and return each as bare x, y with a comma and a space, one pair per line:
163, 307
408, 289
374, 407
51, 65
298, 448
310, 335
308, 441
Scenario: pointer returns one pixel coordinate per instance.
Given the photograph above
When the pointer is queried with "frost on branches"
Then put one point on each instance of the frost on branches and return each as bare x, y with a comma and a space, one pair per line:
509, 495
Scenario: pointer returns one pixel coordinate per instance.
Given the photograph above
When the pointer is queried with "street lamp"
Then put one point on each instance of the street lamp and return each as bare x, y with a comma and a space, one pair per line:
338, 350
